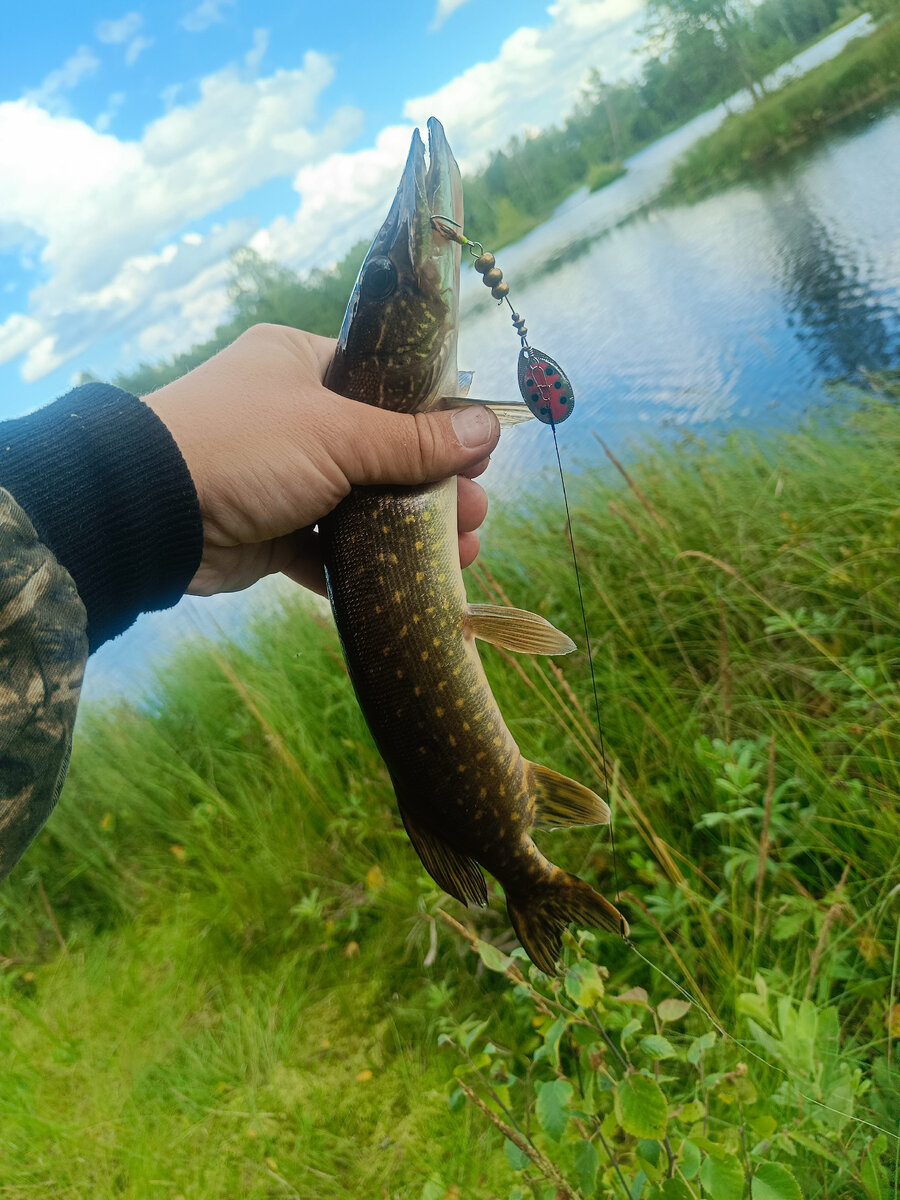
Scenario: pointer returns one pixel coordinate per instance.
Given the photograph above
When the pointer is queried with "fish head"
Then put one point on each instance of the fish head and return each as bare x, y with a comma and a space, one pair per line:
397, 345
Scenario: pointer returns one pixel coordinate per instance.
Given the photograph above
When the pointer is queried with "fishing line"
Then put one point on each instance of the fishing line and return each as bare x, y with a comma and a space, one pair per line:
547, 392
748, 1049
590, 657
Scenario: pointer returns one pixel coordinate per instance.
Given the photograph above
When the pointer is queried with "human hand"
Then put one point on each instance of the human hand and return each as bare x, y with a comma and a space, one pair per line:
271, 451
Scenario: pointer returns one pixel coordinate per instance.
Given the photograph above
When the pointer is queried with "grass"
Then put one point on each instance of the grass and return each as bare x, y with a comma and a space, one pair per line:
223, 971
602, 174
864, 75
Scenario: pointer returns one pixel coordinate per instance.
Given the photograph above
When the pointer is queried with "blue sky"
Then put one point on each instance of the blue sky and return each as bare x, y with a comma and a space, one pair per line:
140, 145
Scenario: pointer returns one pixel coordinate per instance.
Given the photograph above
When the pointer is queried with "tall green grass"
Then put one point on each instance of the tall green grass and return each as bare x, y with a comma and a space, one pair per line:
223, 971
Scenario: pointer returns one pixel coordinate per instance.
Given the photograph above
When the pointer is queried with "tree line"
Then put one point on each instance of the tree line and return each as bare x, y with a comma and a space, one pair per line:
698, 52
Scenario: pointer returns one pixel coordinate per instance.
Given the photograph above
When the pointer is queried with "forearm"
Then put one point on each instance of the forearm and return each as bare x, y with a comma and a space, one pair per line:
107, 490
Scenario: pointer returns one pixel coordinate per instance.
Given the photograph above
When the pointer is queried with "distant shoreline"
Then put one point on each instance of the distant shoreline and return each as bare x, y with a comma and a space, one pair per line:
862, 77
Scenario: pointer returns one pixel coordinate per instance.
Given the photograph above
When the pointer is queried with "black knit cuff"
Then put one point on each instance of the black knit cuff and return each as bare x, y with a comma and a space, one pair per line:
106, 488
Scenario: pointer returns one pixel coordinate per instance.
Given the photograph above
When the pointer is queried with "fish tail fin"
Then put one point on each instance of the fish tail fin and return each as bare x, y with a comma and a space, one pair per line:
540, 915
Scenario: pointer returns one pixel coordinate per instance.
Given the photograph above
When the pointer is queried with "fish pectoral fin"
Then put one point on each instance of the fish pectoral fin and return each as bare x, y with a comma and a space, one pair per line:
457, 874
516, 629
562, 801
507, 412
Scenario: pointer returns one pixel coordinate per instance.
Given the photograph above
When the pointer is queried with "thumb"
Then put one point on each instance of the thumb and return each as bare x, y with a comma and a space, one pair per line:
405, 448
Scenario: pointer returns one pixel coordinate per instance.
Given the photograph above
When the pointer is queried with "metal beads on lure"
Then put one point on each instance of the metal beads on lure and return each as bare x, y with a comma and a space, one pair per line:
544, 385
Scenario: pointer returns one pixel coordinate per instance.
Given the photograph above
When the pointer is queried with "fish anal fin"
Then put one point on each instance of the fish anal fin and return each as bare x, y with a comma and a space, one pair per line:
540, 915
516, 629
507, 412
457, 874
561, 801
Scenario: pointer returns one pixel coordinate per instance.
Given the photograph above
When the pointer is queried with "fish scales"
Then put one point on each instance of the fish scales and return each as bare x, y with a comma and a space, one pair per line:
467, 796
401, 606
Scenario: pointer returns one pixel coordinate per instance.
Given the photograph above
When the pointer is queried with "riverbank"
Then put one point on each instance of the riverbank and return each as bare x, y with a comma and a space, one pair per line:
221, 968
865, 75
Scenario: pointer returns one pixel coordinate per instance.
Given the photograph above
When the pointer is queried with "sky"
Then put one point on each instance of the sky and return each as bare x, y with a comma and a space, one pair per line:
139, 146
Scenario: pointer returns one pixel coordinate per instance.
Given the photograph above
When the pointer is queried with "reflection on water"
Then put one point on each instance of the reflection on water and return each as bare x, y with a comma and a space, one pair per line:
734, 310
738, 309
832, 295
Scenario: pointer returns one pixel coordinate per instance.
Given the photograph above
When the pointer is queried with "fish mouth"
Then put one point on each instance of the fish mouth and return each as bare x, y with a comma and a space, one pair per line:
421, 255
397, 345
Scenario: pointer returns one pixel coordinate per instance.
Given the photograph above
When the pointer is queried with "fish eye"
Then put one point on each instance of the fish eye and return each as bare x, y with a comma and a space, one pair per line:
379, 278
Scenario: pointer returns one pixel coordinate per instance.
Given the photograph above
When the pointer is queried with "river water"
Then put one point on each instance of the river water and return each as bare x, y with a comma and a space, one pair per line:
737, 310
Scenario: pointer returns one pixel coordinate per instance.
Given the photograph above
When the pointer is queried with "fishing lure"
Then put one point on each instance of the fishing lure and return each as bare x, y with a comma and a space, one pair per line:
544, 385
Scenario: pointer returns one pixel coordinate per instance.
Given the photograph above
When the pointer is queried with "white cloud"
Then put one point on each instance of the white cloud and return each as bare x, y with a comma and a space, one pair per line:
115, 32
18, 334
343, 198
445, 8
534, 81
114, 102
49, 93
135, 48
122, 198
207, 12
254, 57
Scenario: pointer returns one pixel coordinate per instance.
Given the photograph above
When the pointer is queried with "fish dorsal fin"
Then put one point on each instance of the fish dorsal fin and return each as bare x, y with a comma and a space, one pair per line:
562, 801
458, 875
465, 382
508, 412
516, 629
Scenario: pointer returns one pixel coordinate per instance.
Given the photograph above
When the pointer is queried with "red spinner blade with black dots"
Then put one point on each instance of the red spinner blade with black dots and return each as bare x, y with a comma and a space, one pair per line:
544, 385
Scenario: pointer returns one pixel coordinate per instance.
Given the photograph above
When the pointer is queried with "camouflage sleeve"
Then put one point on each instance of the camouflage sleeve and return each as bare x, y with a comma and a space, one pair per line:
43, 650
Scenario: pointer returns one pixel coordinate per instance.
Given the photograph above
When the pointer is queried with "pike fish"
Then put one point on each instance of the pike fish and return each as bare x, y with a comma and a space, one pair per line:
467, 796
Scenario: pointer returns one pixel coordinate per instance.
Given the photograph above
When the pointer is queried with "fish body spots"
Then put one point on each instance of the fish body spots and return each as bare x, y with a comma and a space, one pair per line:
409, 519
438, 712
419, 576
419, 545
435, 641
424, 656
426, 516
398, 596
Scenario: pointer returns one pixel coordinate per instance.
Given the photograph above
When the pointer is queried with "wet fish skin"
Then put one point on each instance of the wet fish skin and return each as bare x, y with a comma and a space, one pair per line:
467, 796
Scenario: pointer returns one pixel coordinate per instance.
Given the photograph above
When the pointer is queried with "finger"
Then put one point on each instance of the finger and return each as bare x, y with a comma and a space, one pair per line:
305, 564
478, 469
377, 446
471, 505
469, 544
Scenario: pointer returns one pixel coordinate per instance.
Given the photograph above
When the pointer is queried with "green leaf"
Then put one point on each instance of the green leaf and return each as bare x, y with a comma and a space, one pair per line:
584, 984
698, 1045
690, 1156
674, 1189
871, 1173
456, 1100
772, 1181
550, 1048
641, 1107
551, 1108
586, 1166
516, 1158
673, 1010
493, 959
722, 1178
657, 1046
649, 1149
